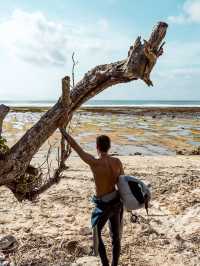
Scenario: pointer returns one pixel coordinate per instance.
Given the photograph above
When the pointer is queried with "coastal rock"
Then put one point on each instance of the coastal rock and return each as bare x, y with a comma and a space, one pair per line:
137, 153
196, 151
180, 152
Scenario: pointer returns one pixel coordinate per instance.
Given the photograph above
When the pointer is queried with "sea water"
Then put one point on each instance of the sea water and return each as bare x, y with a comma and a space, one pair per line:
107, 103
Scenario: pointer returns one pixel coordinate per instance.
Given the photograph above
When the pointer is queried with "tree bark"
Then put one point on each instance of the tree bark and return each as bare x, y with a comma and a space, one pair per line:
3, 112
138, 65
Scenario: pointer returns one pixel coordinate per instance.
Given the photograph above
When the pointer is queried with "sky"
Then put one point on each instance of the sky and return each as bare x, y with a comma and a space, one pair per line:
37, 39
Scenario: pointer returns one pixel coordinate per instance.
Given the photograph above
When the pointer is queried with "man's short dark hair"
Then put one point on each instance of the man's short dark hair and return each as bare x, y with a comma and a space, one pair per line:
103, 143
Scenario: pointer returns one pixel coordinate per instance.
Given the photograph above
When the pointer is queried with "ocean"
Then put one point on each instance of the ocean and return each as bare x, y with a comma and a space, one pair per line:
107, 103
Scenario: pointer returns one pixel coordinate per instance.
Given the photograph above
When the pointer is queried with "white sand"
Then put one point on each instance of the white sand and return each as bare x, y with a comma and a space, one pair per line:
56, 228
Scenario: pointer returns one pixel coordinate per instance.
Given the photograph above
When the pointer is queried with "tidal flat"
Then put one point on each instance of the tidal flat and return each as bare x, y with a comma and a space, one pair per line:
133, 131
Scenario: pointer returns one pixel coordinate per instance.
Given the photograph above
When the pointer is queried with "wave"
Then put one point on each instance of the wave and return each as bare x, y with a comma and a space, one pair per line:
109, 103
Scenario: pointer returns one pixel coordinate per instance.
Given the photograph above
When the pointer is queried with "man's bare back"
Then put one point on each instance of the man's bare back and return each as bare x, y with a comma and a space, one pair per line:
106, 171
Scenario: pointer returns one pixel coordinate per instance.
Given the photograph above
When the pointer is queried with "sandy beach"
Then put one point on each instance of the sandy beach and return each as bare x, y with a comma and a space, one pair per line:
55, 230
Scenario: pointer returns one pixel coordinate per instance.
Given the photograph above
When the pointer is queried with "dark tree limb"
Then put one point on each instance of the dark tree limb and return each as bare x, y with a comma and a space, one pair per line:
4, 110
138, 65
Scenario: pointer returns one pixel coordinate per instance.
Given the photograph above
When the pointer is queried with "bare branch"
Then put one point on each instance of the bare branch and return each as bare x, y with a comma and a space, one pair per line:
73, 70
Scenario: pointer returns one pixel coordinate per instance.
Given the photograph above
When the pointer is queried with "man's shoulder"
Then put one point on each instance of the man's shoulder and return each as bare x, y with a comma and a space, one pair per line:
116, 160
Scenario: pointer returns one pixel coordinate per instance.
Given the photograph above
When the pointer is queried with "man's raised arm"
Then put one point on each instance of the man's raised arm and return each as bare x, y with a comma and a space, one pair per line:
86, 157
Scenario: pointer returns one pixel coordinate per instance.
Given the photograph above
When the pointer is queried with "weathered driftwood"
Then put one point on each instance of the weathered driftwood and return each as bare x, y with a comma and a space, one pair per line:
66, 101
142, 56
3, 112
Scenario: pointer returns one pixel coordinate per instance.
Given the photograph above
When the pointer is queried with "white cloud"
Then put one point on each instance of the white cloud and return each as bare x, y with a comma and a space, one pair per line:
180, 19
190, 13
182, 54
36, 51
104, 24
179, 67
179, 73
37, 40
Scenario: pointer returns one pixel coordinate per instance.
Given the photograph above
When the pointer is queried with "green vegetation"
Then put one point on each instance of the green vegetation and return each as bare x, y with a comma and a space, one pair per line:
3, 147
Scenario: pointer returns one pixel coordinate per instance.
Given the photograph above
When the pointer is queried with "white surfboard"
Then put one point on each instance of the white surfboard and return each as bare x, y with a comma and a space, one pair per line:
128, 197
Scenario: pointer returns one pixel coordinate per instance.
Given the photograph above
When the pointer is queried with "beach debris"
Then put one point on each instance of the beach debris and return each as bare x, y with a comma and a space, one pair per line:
8, 243
77, 249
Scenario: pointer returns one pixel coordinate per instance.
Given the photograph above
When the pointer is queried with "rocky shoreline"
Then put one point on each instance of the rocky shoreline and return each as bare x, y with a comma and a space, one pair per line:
133, 110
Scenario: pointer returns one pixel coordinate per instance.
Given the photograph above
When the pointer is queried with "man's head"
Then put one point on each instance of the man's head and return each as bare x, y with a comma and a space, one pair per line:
103, 143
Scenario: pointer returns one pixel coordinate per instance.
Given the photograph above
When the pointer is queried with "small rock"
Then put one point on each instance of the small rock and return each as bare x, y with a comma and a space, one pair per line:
137, 153
178, 237
86, 261
179, 152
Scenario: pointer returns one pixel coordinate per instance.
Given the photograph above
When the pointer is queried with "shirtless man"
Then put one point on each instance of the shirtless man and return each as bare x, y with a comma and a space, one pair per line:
108, 207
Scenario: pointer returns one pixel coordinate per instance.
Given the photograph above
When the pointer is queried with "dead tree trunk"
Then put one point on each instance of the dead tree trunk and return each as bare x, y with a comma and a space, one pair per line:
138, 65
3, 112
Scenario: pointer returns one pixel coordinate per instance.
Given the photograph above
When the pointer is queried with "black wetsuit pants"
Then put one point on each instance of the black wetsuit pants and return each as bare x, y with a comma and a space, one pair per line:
113, 214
